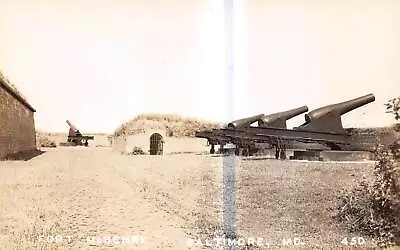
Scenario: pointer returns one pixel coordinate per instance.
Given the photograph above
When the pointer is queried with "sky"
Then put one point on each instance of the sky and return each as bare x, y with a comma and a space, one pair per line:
100, 63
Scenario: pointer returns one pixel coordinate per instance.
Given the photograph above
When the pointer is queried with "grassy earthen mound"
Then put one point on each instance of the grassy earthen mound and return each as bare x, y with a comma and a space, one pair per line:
392, 130
176, 126
6, 81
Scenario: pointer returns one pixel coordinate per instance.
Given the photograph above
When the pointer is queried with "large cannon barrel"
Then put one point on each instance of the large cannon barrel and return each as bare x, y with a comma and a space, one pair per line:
71, 126
328, 119
283, 116
340, 108
245, 121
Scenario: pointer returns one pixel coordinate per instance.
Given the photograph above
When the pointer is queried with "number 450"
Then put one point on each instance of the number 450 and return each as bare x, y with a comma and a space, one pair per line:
353, 241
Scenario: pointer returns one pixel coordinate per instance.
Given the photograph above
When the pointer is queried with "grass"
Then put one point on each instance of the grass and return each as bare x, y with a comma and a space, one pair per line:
43, 140
176, 126
395, 128
5, 80
374, 209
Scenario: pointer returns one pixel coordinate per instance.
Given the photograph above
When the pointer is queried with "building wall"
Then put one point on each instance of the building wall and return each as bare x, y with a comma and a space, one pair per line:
17, 127
143, 140
119, 144
185, 145
172, 144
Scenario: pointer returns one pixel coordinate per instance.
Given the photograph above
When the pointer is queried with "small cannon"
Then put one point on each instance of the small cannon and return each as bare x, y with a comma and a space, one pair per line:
75, 137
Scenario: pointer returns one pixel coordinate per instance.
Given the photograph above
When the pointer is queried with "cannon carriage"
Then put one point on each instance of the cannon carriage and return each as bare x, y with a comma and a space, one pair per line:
75, 137
322, 126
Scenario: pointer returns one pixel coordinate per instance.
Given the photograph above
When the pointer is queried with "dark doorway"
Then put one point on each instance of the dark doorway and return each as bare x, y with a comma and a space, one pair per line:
156, 144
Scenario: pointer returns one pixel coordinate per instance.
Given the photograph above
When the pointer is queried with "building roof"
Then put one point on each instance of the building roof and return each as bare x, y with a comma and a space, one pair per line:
16, 95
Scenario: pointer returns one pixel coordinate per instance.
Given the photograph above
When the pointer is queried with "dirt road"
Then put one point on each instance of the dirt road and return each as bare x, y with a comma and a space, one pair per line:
81, 193
92, 198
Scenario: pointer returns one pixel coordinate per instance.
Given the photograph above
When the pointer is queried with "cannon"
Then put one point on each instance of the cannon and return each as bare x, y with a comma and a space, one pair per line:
278, 120
75, 137
327, 119
245, 122
322, 130
213, 139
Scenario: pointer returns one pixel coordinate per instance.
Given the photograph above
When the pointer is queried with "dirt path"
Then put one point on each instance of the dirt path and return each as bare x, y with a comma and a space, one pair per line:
79, 193
84, 195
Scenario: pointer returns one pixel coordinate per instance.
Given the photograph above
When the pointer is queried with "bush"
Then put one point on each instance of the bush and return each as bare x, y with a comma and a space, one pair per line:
393, 107
137, 151
374, 209
395, 148
45, 142
396, 127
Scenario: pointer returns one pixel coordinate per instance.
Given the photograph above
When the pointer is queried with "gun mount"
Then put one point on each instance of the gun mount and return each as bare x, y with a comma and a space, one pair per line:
278, 120
75, 137
328, 119
323, 127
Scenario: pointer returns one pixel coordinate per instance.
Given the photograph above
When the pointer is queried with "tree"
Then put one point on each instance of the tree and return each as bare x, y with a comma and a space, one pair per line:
393, 107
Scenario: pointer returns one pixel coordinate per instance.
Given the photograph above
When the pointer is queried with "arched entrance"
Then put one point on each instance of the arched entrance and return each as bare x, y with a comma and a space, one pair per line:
156, 144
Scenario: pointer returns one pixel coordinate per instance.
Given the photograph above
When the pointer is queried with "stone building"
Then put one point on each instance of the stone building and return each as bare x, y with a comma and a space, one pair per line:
157, 142
17, 126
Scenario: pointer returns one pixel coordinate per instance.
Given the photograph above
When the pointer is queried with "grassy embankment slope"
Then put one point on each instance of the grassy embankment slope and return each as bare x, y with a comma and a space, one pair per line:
176, 125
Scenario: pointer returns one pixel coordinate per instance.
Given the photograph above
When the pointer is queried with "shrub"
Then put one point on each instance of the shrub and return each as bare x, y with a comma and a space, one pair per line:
393, 107
374, 209
395, 148
46, 142
137, 151
396, 127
